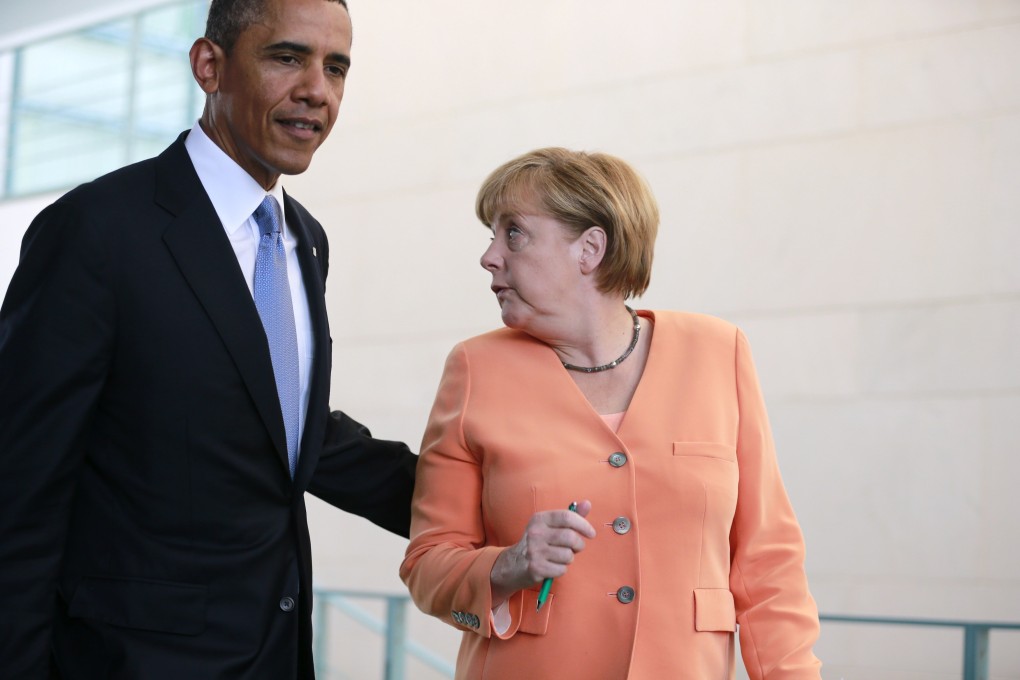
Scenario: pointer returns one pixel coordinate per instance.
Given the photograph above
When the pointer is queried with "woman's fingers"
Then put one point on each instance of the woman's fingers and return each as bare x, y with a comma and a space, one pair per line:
548, 546
559, 529
573, 520
550, 542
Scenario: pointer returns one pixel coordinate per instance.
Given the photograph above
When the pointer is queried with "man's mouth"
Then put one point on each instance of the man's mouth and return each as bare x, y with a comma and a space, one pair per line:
303, 124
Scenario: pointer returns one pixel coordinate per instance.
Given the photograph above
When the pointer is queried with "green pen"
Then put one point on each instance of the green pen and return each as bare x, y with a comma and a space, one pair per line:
547, 583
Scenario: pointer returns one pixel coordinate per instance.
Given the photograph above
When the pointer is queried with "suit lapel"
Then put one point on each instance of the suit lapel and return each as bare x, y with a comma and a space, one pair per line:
311, 258
203, 253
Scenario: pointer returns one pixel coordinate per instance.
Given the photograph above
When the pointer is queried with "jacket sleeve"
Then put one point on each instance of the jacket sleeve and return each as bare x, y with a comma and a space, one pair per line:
447, 563
57, 328
371, 478
777, 615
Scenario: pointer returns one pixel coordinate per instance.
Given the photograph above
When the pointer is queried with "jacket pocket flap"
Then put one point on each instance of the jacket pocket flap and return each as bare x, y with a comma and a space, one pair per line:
714, 610
705, 449
141, 604
533, 621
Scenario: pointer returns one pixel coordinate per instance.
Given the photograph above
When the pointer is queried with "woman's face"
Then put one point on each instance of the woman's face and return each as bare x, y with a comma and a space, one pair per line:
534, 262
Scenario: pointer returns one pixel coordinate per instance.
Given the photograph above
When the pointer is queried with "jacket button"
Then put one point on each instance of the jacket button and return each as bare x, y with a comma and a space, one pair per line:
287, 604
625, 594
618, 459
621, 525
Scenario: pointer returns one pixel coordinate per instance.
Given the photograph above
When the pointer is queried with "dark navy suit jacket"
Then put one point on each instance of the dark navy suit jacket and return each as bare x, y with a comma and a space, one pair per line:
149, 527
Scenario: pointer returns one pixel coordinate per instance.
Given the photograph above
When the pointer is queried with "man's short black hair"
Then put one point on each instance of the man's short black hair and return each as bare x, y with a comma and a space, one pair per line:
229, 18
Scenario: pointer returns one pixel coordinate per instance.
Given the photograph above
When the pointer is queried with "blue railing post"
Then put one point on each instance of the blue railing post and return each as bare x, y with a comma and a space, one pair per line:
396, 637
975, 636
975, 652
393, 630
320, 631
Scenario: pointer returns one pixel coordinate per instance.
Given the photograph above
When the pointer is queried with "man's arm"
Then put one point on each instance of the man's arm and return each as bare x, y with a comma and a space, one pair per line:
372, 478
56, 339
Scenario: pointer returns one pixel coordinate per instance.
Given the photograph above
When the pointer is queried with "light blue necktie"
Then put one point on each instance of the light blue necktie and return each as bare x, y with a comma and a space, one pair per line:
272, 299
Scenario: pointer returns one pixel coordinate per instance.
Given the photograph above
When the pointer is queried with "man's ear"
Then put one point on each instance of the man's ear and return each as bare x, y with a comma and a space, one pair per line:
206, 61
593, 249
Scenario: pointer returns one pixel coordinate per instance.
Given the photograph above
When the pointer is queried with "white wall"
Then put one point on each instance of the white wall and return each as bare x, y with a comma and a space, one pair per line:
840, 178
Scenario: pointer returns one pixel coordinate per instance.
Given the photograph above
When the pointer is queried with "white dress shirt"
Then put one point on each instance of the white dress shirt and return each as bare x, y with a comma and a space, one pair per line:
235, 196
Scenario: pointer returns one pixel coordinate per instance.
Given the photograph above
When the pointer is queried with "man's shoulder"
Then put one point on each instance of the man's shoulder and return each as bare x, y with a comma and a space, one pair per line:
129, 200
122, 182
129, 183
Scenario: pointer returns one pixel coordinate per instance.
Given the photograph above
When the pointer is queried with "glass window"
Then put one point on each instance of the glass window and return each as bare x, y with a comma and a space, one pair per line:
89, 102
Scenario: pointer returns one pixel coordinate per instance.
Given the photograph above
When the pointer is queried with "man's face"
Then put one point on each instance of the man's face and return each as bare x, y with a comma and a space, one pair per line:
275, 97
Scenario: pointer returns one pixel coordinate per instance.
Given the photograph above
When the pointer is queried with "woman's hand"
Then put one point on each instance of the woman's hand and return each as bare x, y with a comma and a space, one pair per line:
549, 544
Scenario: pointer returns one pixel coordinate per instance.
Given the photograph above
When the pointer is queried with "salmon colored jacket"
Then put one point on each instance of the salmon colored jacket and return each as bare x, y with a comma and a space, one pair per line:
695, 533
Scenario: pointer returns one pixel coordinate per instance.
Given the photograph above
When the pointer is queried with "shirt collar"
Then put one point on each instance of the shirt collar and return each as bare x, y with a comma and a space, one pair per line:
232, 191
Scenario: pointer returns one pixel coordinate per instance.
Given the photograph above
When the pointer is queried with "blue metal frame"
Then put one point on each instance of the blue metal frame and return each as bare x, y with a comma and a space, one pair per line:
394, 631
975, 636
12, 126
132, 133
397, 646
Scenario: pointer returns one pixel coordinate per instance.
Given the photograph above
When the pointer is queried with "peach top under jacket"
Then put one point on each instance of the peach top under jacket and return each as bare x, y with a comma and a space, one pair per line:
687, 500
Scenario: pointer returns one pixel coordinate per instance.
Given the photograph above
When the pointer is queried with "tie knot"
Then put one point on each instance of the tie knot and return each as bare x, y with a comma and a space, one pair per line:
265, 216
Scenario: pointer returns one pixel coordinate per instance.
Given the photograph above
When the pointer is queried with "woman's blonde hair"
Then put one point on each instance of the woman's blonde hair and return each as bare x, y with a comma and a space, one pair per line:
583, 190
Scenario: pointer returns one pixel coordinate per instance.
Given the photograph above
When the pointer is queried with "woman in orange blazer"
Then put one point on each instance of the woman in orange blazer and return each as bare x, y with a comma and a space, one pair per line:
653, 421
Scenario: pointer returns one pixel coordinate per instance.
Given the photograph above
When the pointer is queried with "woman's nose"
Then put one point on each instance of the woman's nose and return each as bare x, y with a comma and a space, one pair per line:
490, 259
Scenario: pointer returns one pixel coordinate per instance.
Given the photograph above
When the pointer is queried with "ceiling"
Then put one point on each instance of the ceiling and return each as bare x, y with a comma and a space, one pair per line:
22, 21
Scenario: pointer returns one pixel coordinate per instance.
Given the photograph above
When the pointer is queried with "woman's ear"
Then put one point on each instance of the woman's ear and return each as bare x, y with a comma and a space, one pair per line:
593, 249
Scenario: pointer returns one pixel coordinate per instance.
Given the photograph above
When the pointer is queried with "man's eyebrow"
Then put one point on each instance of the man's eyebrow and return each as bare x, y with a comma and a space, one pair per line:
299, 48
288, 46
338, 58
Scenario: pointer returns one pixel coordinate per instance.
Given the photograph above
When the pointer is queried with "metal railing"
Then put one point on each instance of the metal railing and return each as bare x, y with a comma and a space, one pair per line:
975, 636
397, 646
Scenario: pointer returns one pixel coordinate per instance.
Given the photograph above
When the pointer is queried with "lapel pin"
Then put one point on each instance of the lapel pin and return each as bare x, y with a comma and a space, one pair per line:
314, 254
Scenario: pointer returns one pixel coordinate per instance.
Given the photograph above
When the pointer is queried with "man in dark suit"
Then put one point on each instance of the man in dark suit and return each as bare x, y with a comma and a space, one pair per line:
164, 382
